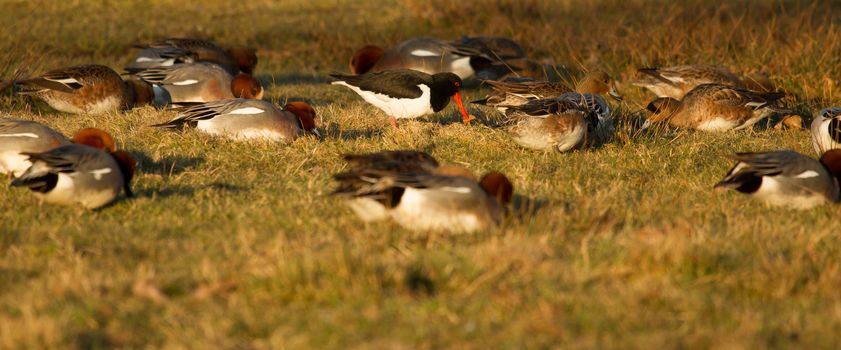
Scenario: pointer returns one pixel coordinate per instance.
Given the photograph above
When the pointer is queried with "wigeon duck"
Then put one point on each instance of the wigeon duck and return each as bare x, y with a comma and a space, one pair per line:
247, 119
515, 91
168, 52
715, 107
427, 55
18, 136
826, 130
79, 174
201, 82
494, 46
445, 199
93, 89
559, 124
370, 209
786, 178
676, 81
406, 93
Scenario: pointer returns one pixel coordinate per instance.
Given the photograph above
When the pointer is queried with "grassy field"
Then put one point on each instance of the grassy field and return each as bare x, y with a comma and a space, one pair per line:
238, 245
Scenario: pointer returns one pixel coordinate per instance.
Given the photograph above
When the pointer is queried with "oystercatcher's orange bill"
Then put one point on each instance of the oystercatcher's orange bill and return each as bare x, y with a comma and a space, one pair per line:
464, 116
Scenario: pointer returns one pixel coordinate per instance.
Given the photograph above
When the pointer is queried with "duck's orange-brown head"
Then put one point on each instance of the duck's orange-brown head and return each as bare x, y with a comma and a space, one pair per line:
365, 58
598, 82
246, 86
305, 114
141, 91
95, 138
498, 186
127, 166
245, 58
832, 161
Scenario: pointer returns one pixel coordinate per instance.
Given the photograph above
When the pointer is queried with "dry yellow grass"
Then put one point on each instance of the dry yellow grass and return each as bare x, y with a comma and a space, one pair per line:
237, 245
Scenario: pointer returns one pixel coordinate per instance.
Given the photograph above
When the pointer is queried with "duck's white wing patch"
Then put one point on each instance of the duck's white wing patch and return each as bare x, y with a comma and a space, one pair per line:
185, 82
455, 189
23, 134
754, 104
425, 53
673, 78
97, 174
65, 80
146, 59
247, 110
807, 174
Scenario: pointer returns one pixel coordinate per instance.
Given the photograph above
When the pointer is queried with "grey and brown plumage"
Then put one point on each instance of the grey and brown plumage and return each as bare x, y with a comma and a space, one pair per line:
170, 51
245, 119
676, 81
92, 88
201, 82
515, 91
411, 189
715, 107
786, 178
89, 173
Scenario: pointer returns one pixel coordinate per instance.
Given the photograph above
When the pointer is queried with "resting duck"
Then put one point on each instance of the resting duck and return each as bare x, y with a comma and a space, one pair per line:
715, 107
245, 119
431, 56
167, 52
516, 91
201, 82
79, 174
786, 178
93, 89
826, 130
412, 190
676, 81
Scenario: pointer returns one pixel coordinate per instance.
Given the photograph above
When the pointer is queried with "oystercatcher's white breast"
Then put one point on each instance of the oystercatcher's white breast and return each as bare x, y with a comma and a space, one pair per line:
396, 107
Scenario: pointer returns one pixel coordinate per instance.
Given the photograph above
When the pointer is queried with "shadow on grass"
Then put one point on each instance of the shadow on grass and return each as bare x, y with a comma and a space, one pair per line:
333, 131
523, 207
184, 191
171, 165
268, 80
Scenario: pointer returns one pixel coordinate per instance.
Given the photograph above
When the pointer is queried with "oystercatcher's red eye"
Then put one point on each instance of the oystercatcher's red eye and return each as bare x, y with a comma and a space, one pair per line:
457, 84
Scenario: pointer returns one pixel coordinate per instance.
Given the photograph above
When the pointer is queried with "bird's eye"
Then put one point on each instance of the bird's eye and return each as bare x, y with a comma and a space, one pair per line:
457, 84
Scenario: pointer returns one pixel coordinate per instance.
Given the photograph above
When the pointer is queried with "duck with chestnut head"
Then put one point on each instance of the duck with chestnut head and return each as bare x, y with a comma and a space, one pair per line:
245, 119
418, 194
201, 82
89, 174
786, 178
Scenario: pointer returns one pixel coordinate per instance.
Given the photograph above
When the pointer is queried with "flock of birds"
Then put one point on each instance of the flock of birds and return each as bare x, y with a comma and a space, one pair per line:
213, 91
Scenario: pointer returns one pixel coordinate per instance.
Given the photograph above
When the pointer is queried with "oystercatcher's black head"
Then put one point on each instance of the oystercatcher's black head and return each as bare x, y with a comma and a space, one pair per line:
445, 85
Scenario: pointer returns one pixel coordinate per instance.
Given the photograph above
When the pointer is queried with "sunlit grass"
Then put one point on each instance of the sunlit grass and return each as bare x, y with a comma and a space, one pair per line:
238, 245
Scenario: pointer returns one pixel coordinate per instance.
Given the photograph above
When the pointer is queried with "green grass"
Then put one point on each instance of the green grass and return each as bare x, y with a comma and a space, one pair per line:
238, 245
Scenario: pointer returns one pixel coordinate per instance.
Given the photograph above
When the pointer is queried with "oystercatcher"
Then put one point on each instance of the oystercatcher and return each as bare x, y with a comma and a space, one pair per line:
406, 93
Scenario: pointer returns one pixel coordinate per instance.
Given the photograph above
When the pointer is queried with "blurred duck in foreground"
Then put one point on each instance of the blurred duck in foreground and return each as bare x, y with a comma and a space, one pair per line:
410, 188
486, 57
676, 81
245, 119
171, 51
89, 173
19, 136
715, 107
87, 89
200, 82
786, 178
